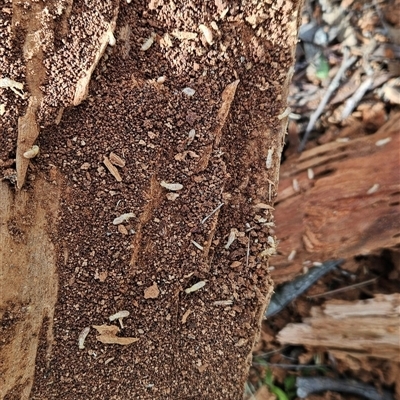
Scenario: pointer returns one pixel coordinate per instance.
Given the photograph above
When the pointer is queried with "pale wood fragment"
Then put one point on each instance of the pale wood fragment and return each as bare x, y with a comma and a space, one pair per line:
108, 335
113, 170
117, 160
365, 328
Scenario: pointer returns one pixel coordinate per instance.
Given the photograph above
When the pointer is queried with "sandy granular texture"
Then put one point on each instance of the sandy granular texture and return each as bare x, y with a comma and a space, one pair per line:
214, 142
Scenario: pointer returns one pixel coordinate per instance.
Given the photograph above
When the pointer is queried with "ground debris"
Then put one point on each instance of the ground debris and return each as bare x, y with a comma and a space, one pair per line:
108, 335
186, 315
114, 172
353, 327
16, 87
117, 160
152, 292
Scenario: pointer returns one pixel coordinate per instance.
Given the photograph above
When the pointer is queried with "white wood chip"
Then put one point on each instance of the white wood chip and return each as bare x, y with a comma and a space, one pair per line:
232, 237
271, 241
119, 316
16, 87
172, 196
317, 264
191, 135
10, 83
184, 35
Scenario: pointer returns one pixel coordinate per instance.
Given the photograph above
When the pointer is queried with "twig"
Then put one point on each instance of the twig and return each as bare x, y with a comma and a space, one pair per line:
270, 184
249, 389
289, 291
344, 289
291, 366
248, 253
269, 353
346, 64
309, 385
212, 213
352, 102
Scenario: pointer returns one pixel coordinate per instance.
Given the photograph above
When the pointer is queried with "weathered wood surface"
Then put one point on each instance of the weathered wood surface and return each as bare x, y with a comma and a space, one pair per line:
350, 207
365, 328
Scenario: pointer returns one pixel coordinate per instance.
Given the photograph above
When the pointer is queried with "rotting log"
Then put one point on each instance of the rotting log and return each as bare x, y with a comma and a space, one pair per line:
339, 200
186, 94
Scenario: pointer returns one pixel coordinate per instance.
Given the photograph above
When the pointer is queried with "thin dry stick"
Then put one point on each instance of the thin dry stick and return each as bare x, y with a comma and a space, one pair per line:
270, 184
269, 353
292, 366
212, 213
346, 64
352, 102
308, 385
248, 252
344, 289
249, 389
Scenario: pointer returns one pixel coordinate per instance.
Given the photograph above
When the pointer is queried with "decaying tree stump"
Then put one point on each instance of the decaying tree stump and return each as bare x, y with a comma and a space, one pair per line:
153, 196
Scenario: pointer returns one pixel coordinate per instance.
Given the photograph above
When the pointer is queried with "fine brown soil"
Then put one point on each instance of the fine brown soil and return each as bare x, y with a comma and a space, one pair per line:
66, 265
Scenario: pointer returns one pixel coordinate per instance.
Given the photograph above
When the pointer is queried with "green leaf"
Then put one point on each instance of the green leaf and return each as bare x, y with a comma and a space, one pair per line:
322, 67
269, 381
289, 383
279, 393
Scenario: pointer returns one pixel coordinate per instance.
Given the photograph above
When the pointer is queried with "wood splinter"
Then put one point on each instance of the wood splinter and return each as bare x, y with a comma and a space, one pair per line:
113, 170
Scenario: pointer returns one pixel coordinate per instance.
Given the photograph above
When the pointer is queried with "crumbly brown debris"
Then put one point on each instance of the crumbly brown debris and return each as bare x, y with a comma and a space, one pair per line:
152, 292
108, 335
147, 123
